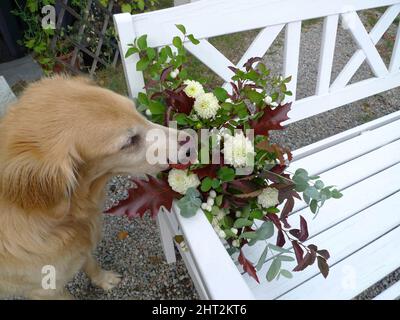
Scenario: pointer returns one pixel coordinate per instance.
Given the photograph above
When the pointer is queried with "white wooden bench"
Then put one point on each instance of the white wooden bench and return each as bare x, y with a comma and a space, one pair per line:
361, 230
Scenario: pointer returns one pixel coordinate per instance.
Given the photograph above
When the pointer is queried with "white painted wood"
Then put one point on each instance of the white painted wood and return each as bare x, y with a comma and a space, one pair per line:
261, 43
126, 33
329, 33
391, 293
211, 57
361, 228
365, 43
363, 195
395, 61
311, 106
166, 237
359, 56
291, 56
216, 268
354, 274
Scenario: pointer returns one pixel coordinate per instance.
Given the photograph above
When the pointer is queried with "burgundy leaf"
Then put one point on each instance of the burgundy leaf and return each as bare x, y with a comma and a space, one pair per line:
298, 251
303, 229
233, 69
280, 241
312, 247
304, 263
165, 73
247, 266
179, 101
148, 195
271, 120
274, 218
244, 186
295, 233
324, 253
288, 207
323, 266
249, 63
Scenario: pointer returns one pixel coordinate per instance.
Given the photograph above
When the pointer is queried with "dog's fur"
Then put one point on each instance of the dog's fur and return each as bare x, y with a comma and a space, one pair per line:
59, 145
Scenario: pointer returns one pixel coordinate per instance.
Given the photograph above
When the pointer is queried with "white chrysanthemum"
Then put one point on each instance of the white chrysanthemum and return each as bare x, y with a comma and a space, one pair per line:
193, 88
206, 105
268, 198
238, 150
180, 181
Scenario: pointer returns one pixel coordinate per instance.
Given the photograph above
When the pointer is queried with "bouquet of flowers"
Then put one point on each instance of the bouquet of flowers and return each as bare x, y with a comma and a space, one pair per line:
245, 191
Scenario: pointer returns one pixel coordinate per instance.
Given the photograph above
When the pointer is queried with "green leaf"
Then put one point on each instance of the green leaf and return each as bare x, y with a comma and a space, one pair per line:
261, 261
285, 258
142, 42
278, 249
151, 53
215, 183
242, 222
190, 203
286, 274
274, 269
336, 194
131, 51
314, 206
126, 7
226, 174
221, 94
312, 192
177, 42
218, 200
266, 230
257, 214
319, 184
181, 28
140, 4
193, 39
254, 96
142, 64
206, 184
249, 235
143, 99
156, 107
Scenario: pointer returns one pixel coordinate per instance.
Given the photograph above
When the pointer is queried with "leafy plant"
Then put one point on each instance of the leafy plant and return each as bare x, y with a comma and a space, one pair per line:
243, 209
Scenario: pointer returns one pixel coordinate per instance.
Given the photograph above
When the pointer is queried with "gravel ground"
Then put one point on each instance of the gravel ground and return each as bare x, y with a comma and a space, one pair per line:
139, 258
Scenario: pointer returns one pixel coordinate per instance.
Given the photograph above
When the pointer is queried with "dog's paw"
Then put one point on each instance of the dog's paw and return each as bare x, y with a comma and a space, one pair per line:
107, 280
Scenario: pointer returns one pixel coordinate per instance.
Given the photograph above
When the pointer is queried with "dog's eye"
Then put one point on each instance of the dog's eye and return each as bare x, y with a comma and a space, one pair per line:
131, 142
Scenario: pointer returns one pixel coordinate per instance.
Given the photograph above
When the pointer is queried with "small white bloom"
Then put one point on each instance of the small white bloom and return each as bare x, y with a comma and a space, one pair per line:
236, 243
220, 215
234, 230
274, 104
268, 100
268, 197
229, 100
238, 150
222, 234
173, 74
213, 194
148, 112
193, 88
206, 105
210, 201
238, 214
209, 208
204, 206
180, 181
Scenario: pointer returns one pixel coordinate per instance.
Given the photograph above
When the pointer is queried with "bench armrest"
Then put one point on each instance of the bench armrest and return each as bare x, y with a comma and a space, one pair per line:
219, 274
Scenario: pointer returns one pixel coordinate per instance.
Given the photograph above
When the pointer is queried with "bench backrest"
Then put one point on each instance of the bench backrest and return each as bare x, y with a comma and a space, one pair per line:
209, 18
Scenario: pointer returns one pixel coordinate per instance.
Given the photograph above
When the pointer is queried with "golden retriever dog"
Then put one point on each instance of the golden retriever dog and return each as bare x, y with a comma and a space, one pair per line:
59, 145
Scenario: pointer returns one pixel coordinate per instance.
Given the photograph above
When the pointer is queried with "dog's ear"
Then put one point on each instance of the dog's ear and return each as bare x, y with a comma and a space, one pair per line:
35, 183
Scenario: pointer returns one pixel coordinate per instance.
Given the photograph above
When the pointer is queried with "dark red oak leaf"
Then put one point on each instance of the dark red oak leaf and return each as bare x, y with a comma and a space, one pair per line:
148, 195
271, 120
247, 266
179, 101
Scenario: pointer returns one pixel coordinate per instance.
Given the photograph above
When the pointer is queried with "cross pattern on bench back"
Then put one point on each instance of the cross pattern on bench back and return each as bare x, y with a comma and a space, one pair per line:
212, 18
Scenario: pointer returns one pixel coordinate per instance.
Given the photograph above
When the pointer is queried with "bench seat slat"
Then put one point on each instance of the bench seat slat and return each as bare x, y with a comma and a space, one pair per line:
362, 195
355, 273
391, 293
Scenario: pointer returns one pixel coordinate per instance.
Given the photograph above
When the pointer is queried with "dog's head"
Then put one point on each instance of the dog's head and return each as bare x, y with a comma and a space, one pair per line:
63, 129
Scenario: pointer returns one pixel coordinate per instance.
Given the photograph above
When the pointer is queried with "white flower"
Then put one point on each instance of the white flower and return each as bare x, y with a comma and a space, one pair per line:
209, 208
274, 104
173, 74
213, 194
229, 100
238, 150
148, 112
206, 105
193, 88
268, 197
236, 243
220, 215
210, 201
268, 100
238, 214
234, 230
180, 181
204, 206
